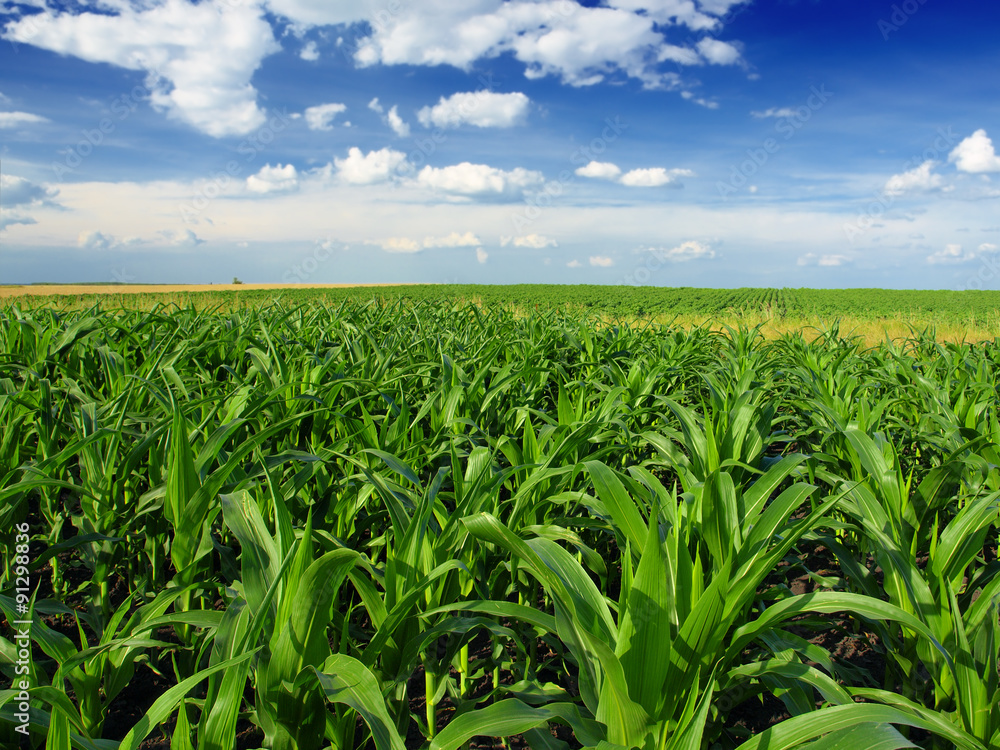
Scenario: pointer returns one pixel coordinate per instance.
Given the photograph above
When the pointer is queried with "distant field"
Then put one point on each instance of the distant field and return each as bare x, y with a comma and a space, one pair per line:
872, 314
57, 290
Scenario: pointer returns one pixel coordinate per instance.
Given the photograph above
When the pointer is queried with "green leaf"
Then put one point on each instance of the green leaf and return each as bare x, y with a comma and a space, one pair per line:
345, 680
164, 706
510, 717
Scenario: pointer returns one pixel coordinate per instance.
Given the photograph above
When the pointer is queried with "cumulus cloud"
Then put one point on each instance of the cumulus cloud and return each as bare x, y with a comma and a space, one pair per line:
478, 180
686, 251
921, 178
10, 120
481, 255
718, 52
976, 154
371, 168
399, 127
179, 238
670, 12
648, 177
392, 118
309, 53
602, 261
468, 239
536, 241
954, 254
825, 261
199, 58
653, 177
399, 245
321, 116
601, 170
276, 179
573, 264
484, 109
92, 239
581, 45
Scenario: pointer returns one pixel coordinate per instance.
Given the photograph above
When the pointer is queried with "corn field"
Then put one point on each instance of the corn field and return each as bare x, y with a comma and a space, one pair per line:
417, 524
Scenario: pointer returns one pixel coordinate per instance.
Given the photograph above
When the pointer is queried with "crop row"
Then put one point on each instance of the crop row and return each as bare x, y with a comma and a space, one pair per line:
403, 524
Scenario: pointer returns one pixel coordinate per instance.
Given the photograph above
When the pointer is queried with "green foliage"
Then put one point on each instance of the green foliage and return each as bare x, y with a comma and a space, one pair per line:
393, 521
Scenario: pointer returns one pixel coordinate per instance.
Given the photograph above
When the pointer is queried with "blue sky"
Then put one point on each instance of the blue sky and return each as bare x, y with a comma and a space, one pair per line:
799, 143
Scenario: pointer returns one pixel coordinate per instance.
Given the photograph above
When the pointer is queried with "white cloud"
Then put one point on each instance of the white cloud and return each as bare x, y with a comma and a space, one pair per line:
774, 112
921, 178
718, 52
478, 179
536, 241
399, 127
370, 168
326, 12
199, 58
955, 254
321, 116
707, 104
700, 101
484, 109
653, 177
976, 154
602, 170
400, 245
392, 119
573, 264
16, 119
92, 239
309, 52
690, 250
826, 261
453, 240
950, 255
274, 179
581, 45
179, 238
602, 261
669, 12
481, 255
